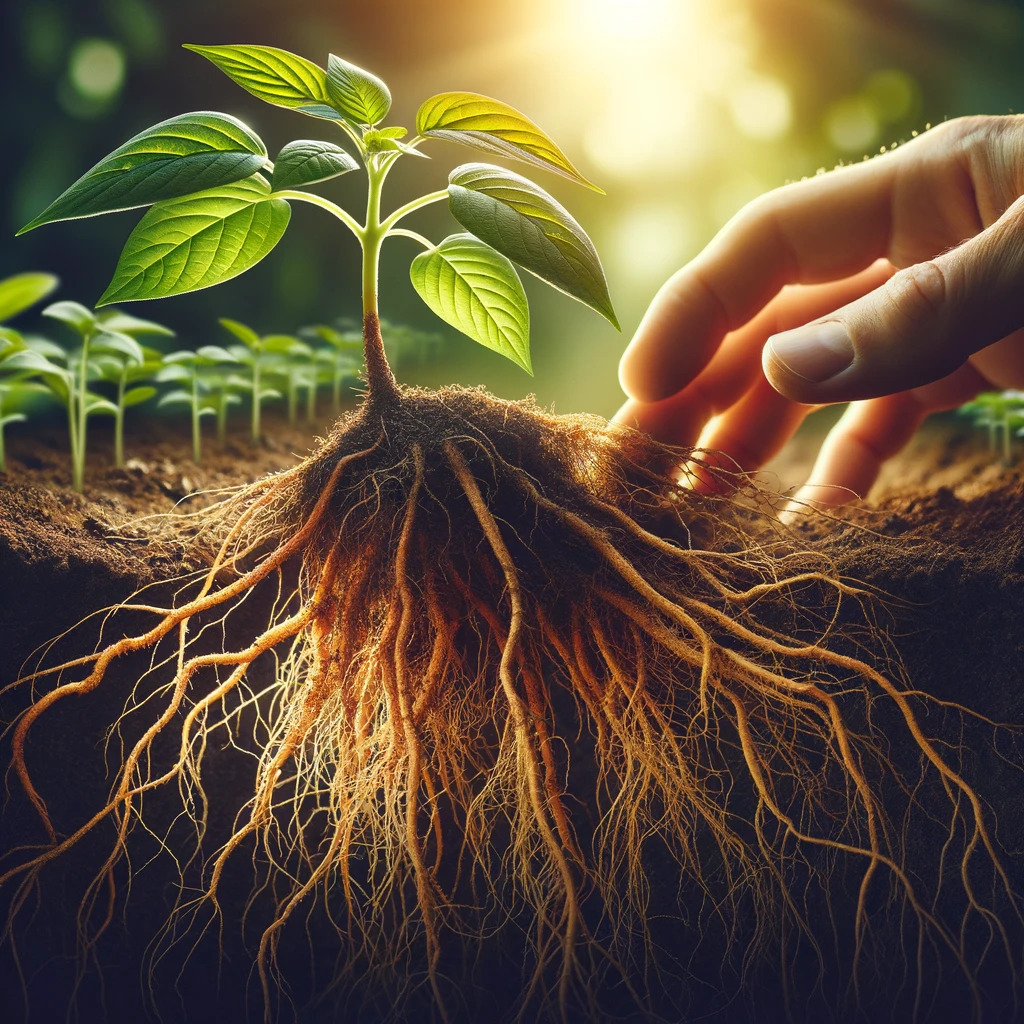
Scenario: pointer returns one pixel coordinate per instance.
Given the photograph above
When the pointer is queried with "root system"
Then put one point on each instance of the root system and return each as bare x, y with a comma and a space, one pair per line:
513, 669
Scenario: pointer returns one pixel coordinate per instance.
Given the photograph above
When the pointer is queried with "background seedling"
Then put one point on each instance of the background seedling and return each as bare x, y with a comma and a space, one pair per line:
290, 360
1000, 413
252, 353
187, 368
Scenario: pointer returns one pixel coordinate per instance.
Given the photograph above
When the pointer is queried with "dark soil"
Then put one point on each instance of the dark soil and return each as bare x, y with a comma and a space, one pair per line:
943, 539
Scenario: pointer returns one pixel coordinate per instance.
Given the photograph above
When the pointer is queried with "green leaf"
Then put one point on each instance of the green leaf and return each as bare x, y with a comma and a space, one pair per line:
107, 341
496, 128
476, 290
10, 341
19, 292
306, 161
361, 97
45, 347
285, 345
174, 372
241, 331
14, 417
96, 405
74, 314
215, 354
175, 398
125, 323
520, 220
185, 154
34, 362
136, 396
272, 75
182, 245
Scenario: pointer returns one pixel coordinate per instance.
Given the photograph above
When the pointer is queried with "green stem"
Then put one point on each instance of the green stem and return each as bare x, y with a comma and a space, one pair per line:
195, 418
119, 422
3, 454
415, 236
222, 418
256, 398
415, 204
293, 398
325, 204
381, 383
78, 442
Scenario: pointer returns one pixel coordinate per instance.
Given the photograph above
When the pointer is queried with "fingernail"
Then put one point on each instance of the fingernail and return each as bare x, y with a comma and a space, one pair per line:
816, 352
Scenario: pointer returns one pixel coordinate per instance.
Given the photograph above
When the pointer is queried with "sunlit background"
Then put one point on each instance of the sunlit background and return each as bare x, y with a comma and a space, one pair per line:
682, 110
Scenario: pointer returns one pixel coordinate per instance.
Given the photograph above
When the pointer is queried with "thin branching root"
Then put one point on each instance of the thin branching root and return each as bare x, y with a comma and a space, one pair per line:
521, 693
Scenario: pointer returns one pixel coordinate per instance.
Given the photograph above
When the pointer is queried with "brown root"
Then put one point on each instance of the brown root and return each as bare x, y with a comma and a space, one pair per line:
515, 669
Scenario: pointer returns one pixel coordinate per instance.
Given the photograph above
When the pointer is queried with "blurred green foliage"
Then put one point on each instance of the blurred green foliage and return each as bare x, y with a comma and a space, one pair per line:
812, 83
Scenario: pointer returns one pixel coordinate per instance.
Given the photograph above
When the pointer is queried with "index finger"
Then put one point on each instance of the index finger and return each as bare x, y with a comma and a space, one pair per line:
824, 228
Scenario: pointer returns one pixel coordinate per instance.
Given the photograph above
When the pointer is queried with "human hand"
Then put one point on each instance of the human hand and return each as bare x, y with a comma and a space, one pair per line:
896, 284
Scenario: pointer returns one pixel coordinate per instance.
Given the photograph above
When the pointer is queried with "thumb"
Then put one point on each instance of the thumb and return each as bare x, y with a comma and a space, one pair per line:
916, 328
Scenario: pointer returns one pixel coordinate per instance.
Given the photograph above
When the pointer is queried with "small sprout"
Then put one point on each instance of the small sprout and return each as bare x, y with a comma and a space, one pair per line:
185, 367
291, 360
252, 353
343, 357
999, 412
21, 291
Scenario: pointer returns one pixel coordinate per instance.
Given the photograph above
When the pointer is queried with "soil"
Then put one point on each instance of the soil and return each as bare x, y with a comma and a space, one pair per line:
942, 539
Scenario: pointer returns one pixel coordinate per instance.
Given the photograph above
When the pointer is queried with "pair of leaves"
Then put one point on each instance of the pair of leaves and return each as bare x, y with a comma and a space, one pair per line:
344, 91
469, 281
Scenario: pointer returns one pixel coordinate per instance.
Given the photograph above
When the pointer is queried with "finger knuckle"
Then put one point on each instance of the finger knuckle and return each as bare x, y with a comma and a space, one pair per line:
919, 292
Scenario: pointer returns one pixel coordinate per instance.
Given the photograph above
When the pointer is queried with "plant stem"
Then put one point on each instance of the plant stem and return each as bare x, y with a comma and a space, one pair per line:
382, 388
222, 418
415, 204
195, 417
325, 204
119, 421
256, 397
415, 236
78, 436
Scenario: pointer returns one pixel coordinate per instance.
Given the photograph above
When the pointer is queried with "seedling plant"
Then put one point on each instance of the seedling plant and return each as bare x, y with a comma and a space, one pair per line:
483, 597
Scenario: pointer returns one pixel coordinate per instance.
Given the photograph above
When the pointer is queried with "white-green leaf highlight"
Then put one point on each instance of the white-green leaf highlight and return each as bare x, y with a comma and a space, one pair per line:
183, 245
520, 219
476, 290
184, 154
307, 161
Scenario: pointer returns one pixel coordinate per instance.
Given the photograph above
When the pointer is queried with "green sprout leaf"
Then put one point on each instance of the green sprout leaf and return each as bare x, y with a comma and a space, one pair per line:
476, 290
136, 396
520, 220
182, 245
361, 97
272, 75
241, 331
496, 128
129, 348
307, 161
184, 154
124, 323
19, 292
74, 314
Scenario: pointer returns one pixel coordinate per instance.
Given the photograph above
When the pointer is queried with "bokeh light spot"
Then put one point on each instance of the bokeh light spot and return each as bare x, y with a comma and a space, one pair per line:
852, 125
96, 69
892, 94
761, 108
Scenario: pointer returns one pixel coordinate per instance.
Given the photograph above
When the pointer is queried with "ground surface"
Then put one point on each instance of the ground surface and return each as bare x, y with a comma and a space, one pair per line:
943, 536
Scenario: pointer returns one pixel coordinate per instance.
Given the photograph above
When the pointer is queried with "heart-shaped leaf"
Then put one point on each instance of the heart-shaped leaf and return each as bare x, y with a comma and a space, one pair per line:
182, 245
496, 128
272, 75
97, 405
307, 161
361, 97
19, 292
519, 219
184, 154
476, 290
